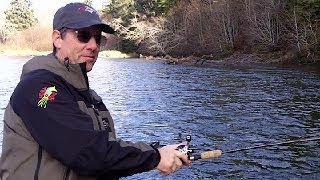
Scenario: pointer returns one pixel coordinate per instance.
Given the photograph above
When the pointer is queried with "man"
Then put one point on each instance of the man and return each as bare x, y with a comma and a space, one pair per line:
56, 127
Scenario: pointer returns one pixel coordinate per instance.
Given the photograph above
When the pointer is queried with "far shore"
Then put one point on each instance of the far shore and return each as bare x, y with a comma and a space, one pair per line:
235, 59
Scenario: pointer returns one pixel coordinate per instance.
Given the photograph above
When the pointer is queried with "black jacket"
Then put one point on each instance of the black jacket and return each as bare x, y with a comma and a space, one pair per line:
56, 127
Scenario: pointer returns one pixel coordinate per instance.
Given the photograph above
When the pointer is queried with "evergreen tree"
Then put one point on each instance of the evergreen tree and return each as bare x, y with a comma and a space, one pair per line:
121, 9
160, 7
20, 16
127, 14
88, 2
126, 9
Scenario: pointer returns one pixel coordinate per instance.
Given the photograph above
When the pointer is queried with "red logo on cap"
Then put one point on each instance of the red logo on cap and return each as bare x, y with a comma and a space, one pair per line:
86, 8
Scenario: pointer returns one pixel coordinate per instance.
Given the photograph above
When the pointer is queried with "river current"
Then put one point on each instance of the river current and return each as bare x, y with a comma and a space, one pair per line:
221, 107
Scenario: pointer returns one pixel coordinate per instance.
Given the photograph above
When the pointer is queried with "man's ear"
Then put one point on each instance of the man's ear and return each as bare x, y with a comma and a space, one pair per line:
56, 39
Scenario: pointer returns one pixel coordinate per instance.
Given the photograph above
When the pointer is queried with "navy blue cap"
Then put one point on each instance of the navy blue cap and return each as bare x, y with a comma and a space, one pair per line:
77, 16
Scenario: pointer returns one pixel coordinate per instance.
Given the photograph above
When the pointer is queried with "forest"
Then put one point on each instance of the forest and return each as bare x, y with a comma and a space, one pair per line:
288, 29
208, 29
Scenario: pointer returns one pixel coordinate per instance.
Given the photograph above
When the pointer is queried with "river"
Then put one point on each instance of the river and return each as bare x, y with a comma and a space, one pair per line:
221, 107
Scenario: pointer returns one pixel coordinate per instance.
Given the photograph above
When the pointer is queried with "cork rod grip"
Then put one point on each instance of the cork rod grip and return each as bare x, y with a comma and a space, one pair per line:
211, 154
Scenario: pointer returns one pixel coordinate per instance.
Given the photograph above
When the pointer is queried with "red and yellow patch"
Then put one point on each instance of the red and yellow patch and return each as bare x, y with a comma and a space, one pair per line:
46, 94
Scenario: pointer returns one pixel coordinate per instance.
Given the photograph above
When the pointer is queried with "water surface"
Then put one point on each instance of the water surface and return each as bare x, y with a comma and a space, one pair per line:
222, 107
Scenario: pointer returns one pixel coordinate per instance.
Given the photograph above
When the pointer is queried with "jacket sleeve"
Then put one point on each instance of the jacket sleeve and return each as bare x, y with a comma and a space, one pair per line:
51, 114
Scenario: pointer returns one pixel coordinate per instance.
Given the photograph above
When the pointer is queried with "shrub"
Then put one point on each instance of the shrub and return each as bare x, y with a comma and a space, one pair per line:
37, 38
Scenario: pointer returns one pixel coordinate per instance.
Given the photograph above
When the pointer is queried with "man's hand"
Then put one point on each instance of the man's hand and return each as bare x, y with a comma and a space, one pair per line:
171, 159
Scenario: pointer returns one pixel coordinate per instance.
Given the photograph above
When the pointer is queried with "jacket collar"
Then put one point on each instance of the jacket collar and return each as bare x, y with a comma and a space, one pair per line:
75, 74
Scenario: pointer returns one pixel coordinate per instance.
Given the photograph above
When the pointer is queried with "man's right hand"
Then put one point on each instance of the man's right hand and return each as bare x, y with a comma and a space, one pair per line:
171, 159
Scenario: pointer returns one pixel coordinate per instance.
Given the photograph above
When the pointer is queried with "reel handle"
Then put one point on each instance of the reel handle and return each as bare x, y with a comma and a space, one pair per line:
204, 155
188, 138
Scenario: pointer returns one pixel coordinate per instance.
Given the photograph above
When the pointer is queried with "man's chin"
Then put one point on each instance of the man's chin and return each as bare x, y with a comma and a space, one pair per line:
89, 67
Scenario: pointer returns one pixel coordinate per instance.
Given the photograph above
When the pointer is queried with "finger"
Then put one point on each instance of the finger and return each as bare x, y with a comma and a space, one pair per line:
163, 173
178, 162
174, 168
175, 165
181, 155
183, 158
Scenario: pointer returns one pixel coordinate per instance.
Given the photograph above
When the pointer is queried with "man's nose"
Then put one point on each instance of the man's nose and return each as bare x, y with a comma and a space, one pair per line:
92, 43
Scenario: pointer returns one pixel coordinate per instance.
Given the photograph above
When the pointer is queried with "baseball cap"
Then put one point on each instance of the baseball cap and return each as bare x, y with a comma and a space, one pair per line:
77, 16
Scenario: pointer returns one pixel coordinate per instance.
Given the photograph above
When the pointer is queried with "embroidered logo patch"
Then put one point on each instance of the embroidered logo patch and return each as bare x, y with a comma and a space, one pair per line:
47, 94
87, 8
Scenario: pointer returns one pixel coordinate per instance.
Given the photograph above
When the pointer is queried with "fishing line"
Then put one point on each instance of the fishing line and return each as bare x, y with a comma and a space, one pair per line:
217, 153
274, 144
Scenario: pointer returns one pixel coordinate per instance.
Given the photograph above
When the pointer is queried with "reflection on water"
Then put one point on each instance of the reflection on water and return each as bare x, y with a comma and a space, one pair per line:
221, 107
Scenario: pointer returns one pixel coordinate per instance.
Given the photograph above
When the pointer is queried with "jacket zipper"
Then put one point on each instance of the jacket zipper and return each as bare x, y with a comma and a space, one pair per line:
96, 114
36, 173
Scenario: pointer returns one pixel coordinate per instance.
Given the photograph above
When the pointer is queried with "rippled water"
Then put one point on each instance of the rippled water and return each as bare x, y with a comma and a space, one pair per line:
222, 107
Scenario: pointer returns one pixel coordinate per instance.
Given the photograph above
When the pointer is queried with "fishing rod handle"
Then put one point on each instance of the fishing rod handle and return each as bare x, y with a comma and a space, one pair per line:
207, 155
211, 154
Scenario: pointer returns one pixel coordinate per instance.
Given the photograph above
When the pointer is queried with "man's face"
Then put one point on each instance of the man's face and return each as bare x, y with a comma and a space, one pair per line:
81, 45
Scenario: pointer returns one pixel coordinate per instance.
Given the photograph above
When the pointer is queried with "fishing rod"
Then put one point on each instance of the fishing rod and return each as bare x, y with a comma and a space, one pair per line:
216, 153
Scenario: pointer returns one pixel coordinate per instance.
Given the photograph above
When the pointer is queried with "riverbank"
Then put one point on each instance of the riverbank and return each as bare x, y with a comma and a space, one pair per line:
206, 60
242, 59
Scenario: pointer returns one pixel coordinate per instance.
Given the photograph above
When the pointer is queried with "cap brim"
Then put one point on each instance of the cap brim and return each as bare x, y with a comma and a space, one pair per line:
104, 27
